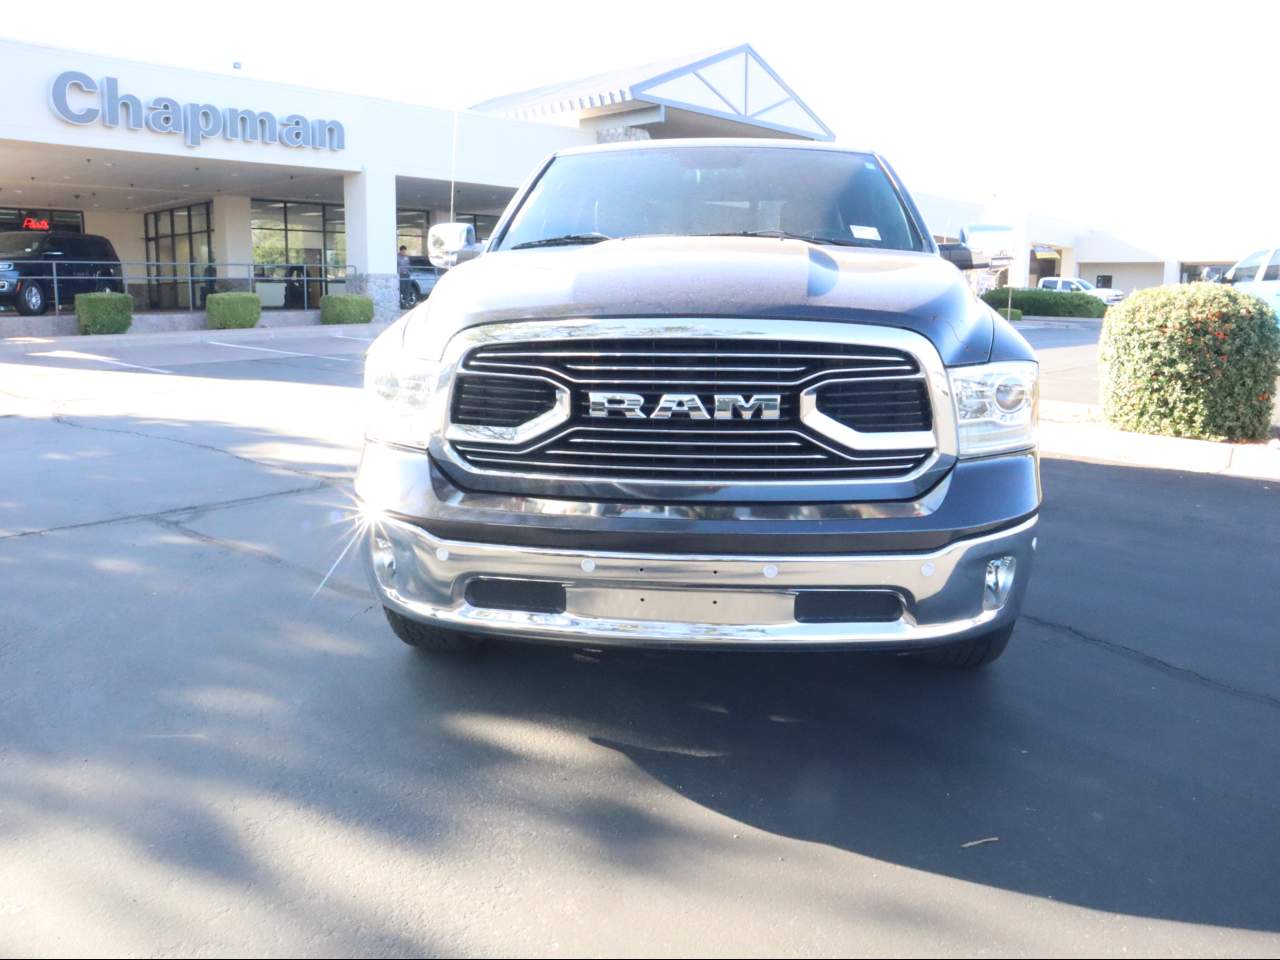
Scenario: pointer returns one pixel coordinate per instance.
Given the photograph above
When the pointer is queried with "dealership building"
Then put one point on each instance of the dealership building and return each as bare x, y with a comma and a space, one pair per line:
209, 181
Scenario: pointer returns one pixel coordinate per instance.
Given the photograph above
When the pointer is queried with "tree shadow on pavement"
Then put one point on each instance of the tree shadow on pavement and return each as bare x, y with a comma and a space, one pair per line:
188, 731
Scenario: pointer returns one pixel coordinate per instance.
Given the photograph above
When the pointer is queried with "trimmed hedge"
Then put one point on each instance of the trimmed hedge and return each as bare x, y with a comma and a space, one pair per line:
1013, 316
346, 308
104, 312
1046, 303
1193, 360
229, 311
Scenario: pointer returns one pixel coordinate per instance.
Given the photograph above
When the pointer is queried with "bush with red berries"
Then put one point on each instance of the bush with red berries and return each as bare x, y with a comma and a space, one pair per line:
1193, 360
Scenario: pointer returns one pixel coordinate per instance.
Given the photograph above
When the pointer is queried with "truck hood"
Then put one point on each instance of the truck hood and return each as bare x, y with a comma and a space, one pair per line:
747, 277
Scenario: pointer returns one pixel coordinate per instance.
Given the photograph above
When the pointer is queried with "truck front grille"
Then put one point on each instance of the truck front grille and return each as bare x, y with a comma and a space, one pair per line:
877, 406
500, 401
870, 389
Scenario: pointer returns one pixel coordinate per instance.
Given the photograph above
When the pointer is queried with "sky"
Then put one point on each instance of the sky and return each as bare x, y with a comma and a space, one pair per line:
1155, 120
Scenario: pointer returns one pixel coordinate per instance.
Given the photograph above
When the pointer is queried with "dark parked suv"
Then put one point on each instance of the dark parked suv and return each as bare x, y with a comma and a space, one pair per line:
37, 269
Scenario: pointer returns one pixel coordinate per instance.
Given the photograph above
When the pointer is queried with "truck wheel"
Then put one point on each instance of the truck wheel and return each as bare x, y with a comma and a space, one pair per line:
431, 639
970, 654
32, 302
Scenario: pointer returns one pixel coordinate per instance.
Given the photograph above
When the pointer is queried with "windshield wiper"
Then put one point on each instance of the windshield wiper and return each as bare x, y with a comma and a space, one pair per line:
568, 240
787, 235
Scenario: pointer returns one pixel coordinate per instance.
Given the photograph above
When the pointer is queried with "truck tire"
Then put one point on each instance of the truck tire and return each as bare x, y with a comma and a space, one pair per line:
970, 654
32, 301
421, 636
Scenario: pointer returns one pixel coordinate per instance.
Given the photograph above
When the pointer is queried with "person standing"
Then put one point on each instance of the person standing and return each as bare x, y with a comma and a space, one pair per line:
402, 267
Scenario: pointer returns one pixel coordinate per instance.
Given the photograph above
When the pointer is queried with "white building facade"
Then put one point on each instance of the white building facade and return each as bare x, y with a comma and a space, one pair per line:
208, 181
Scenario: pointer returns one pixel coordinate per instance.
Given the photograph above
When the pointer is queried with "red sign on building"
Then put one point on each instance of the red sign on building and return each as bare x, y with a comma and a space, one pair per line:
31, 223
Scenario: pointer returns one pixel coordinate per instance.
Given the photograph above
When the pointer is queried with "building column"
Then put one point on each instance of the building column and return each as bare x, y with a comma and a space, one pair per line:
1172, 271
1067, 266
232, 242
1020, 268
370, 202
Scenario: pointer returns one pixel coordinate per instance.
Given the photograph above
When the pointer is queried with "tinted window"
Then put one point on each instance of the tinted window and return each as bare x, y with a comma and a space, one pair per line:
96, 248
74, 248
1273, 268
1247, 268
697, 191
1050, 284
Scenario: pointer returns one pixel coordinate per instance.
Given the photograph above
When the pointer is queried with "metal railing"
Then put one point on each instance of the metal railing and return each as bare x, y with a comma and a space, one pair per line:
161, 286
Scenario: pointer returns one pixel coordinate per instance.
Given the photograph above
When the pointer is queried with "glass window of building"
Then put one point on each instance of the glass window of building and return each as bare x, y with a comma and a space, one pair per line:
411, 231
179, 244
14, 218
483, 222
299, 252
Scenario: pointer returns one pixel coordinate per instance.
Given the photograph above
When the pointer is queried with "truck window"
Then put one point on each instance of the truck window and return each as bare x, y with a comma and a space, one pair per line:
1246, 269
834, 195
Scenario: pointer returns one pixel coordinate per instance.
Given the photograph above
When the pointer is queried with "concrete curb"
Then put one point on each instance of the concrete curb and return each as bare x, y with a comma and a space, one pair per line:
1075, 430
18, 345
1058, 323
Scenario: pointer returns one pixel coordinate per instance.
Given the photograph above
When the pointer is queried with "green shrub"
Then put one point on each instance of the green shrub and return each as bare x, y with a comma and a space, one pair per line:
104, 312
1047, 303
346, 308
1013, 316
228, 311
1194, 360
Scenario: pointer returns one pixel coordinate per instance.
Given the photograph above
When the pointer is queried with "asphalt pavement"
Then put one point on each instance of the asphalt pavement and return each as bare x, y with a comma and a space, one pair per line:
211, 743
1069, 360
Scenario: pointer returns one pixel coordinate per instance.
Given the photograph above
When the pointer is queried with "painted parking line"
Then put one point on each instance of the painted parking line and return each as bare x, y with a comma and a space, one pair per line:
96, 358
343, 336
285, 353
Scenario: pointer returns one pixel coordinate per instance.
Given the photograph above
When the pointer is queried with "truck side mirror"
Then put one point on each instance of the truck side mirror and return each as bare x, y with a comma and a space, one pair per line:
449, 244
958, 254
992, 246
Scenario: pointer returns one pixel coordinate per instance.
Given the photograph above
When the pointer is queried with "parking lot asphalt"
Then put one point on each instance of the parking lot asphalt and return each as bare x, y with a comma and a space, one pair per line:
211, 743
1069, 358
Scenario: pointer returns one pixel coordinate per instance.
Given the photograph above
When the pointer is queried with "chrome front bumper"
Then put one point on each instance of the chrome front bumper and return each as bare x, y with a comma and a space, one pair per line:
653, 600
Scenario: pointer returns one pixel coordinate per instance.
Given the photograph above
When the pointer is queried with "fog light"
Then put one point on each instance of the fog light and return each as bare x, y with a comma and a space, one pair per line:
384, 559
999, 583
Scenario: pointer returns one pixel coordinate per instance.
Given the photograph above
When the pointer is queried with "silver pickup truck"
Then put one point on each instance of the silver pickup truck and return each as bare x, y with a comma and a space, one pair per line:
704, 394
420, 281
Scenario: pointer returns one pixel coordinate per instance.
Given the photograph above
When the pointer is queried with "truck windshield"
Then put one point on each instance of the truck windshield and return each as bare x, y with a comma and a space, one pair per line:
20, 243
825, 196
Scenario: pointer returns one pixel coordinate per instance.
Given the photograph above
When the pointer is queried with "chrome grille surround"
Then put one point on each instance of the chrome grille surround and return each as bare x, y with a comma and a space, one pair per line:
883, 464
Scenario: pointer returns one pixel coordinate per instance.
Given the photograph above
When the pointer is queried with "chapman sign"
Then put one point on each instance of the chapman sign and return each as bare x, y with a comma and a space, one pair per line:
77, 98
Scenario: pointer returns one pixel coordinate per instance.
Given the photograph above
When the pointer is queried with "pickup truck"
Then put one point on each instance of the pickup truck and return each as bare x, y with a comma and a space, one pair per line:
422, 279
703, 394
1107, 295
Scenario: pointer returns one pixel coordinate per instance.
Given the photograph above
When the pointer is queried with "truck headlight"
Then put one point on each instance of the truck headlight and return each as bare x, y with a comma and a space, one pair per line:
400, 392
997, 406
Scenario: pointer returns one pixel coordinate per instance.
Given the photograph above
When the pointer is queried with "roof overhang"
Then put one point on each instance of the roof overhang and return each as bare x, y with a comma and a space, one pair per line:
735, 87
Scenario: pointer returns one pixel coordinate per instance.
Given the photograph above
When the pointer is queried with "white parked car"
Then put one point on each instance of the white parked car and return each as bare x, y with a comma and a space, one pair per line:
1075, 285
1258, 274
